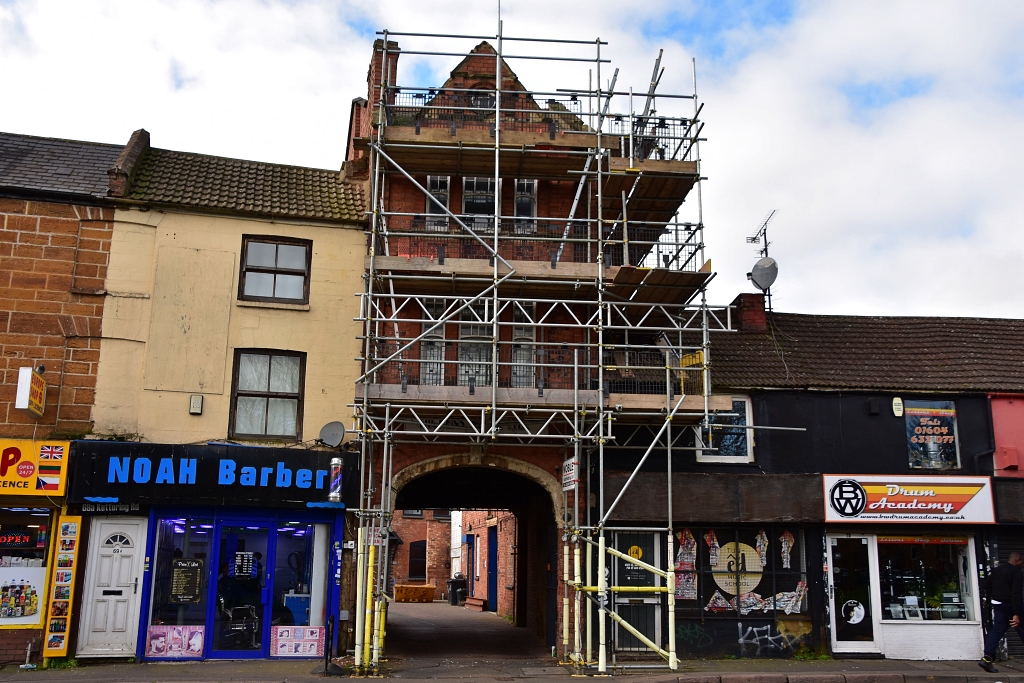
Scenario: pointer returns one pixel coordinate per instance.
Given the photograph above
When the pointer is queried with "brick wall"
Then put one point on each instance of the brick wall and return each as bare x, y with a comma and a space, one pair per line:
478, 523
437, 533
53, 262
13, 642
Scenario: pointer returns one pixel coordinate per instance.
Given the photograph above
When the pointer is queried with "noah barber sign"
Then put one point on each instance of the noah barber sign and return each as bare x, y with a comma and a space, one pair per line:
883, 498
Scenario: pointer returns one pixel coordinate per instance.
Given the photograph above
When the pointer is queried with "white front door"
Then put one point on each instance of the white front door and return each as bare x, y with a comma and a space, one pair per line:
112, 589
852, 577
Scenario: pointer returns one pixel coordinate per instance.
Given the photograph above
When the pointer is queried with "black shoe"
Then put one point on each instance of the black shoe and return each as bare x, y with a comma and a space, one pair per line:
986, 664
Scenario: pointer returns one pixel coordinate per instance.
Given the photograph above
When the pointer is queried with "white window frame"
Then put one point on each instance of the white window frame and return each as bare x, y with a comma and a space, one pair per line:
480, 222
475, 335
524, 373
525, 223
437, 222
714, 457
432, 364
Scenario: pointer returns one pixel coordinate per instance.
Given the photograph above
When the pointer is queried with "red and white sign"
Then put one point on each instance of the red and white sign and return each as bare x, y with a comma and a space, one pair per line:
570, 474
931, 500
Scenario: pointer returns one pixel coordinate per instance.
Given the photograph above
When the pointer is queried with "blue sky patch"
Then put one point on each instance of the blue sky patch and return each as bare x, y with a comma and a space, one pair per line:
879, 94
715, 29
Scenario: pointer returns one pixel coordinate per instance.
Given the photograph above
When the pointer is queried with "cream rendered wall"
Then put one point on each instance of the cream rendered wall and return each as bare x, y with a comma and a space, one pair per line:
172, 321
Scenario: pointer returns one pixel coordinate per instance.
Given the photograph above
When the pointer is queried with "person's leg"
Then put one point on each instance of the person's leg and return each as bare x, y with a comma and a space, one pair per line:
1001, 615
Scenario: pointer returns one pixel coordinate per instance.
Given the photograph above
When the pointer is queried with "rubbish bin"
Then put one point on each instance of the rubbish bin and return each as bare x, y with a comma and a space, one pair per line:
455, 584
460, 596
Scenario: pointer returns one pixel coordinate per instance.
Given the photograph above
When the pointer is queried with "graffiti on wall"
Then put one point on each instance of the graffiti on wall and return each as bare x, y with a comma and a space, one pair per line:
749, 638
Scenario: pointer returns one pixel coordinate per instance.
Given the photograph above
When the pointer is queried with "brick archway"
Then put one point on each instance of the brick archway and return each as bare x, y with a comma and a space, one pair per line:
513, 465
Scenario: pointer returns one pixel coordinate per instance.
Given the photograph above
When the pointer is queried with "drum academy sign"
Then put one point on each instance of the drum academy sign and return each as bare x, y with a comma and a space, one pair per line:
884, 498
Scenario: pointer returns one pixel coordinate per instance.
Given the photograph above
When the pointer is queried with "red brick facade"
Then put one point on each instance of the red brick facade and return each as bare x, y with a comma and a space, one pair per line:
14, 642
436, 531
53, 262
478, 523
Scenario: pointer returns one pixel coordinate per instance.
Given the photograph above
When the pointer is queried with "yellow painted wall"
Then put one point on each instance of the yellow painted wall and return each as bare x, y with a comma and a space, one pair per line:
172, 320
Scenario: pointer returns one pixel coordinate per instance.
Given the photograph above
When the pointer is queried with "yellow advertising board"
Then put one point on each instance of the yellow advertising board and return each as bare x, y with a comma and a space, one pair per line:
66, 539
33, 468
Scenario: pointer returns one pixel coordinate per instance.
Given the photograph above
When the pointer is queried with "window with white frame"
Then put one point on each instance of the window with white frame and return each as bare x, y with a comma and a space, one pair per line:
432, 345
475, 332
478, 203
526, 207
437, 203
524, 372
731, 443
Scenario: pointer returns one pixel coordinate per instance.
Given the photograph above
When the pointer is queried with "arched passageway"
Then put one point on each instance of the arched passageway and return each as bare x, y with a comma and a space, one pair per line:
507, 548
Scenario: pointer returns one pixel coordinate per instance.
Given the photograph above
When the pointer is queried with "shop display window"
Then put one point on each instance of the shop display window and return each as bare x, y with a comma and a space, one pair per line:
300, 571
729, 571
180, 571
925, 578
24, 545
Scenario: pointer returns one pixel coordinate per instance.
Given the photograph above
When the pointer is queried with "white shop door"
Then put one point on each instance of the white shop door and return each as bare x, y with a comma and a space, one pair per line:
113, 587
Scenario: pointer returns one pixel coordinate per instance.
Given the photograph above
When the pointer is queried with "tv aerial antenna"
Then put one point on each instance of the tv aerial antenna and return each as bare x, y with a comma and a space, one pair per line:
766, 270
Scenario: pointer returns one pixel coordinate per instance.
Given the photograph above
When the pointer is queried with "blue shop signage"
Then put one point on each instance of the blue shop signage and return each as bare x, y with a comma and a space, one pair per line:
107, 472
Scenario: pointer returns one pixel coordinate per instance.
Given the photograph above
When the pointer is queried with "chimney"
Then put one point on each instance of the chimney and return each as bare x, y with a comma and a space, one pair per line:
120, 175
373, 76
748, 312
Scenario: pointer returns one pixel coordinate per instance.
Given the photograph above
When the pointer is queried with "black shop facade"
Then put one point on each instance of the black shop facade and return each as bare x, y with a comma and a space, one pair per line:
214, 551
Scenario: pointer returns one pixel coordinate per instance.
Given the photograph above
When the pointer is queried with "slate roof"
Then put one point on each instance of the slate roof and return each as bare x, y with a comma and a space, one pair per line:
873, 353
233, 185
54, 166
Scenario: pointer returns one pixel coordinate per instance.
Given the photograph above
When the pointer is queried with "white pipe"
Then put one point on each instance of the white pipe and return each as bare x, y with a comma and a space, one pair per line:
565, 600
577, 645
590, 607
673, 661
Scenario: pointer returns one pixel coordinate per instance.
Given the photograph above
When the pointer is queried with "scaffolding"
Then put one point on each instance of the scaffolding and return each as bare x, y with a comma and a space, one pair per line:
565, 325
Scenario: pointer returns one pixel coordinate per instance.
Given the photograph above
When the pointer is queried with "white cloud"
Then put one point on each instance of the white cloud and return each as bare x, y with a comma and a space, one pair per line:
908, 206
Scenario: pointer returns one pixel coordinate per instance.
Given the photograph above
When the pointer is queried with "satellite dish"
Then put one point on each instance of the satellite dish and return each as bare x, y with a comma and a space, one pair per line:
764, 273
332, 433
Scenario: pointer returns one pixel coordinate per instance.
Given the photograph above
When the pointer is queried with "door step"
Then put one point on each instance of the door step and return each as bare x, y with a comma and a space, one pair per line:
476, 604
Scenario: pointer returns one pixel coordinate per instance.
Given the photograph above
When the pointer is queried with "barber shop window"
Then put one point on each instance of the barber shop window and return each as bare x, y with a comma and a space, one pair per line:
275, 270
266, 397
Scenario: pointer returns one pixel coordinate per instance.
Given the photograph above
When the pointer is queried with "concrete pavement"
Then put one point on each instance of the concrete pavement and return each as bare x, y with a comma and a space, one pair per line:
436, 641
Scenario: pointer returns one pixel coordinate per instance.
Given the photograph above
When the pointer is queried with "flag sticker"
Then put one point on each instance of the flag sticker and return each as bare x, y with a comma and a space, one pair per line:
49, 478
51, 452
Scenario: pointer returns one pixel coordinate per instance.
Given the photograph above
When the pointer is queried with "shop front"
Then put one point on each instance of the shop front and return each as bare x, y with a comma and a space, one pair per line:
38, 548
902, 564
743, 590
209, 552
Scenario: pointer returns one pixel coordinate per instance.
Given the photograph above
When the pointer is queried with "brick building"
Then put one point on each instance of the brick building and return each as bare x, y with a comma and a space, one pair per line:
510, 312
55, 230
421, 550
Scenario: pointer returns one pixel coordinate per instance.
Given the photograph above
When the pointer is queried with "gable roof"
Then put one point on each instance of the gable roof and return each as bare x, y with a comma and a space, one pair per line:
873, 353
31, 165
237, 186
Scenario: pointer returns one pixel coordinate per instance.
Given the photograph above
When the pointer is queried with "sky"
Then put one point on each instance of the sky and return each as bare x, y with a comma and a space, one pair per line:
887, 136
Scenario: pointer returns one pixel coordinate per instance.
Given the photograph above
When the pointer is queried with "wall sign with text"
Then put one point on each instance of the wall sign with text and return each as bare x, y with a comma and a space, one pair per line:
931, 435
124, 473
33, 468
899, 498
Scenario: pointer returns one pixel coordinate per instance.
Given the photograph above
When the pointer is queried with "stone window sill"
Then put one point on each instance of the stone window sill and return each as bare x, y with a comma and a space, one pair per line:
270, 304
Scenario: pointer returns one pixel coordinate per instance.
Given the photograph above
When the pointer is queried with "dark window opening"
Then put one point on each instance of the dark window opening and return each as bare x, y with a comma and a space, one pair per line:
418, 561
